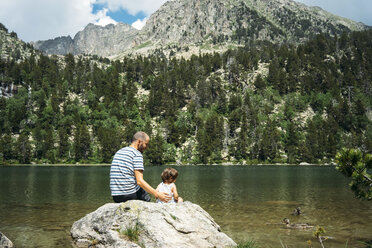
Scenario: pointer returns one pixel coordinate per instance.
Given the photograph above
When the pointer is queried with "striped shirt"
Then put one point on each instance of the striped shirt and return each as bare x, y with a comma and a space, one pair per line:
122, 178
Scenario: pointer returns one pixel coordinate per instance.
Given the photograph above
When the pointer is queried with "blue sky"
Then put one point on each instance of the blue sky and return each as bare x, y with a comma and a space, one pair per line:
120, 15
36, 20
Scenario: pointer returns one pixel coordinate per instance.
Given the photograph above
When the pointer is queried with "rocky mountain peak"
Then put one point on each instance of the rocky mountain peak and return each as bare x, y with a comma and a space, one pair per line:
100, 40
195, 21
198, 22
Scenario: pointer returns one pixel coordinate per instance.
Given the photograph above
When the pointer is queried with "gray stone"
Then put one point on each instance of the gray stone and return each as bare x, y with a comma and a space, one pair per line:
94, 39
5, 242
179, 225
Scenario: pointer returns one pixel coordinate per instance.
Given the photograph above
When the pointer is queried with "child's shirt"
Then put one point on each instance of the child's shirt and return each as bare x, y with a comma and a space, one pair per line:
166, 188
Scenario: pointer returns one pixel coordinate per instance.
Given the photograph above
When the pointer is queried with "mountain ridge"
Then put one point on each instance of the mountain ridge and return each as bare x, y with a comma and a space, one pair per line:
93, 39
195, 22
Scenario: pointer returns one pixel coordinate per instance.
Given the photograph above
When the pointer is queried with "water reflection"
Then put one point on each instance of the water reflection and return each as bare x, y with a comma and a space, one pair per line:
39, 204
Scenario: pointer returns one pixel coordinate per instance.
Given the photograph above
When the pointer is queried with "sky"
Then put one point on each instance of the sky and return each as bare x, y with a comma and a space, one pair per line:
36, 20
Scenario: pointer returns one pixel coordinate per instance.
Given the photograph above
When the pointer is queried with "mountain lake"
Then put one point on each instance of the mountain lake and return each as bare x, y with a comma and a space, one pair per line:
38, 204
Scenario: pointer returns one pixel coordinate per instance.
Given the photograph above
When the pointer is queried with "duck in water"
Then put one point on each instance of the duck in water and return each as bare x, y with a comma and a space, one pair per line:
297, 211
296, 226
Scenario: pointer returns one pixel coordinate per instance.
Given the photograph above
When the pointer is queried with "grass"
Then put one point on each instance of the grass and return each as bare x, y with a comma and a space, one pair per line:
248, 244
132, 233
147, 43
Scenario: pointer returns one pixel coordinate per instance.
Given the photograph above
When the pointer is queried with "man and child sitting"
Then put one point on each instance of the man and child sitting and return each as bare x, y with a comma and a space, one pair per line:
126, 175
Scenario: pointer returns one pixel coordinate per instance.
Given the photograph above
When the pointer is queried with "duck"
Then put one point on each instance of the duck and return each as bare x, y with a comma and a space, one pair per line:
297, 211
297, 225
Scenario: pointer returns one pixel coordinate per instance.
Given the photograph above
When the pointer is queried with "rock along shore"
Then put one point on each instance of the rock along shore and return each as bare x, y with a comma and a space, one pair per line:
146, 224
5, 242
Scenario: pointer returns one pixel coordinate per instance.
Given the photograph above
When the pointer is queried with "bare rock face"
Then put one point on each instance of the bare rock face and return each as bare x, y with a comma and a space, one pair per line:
60, 45
5, 242
104, 41
197, 22
94, 39
145, 224
194, 21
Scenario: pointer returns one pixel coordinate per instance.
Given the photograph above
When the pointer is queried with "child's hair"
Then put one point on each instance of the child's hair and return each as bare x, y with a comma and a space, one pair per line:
169, 175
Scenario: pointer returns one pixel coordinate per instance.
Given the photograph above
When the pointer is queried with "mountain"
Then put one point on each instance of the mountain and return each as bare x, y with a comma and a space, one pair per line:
11, 47
196, 21
184, 23
94, 39
15, 50
60, 45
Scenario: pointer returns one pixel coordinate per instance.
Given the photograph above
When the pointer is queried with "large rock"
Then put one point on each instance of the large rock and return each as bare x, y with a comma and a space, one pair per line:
159, 225
5, 242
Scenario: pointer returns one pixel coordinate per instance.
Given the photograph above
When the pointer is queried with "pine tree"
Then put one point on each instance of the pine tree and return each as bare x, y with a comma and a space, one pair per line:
63, 144
110, 141
82, 142
156, 149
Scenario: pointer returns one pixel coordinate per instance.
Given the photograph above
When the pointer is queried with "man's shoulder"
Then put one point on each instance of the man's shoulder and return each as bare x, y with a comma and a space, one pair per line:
128, 150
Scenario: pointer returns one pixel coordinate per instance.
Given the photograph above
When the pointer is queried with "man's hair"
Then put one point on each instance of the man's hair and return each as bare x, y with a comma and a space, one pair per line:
169, 175
140, 136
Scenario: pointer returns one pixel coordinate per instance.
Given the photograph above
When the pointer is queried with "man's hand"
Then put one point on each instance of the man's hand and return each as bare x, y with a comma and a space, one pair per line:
164, 197
143, 184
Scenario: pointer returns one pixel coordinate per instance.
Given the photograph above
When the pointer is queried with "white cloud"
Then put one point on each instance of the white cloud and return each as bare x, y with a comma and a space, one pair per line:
133, 7
45, 19
139, 24
103, 19
36, 20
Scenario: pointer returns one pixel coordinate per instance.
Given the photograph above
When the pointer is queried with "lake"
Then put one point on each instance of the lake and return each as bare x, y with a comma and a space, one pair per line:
39, 204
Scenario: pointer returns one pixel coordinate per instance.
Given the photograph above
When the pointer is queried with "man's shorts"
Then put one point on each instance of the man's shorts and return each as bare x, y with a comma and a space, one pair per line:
141, 194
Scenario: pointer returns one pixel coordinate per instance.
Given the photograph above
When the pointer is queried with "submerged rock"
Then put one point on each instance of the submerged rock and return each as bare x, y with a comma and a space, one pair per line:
146, 224
5, 242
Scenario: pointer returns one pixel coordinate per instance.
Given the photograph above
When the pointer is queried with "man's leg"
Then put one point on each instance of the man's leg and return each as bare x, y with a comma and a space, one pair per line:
124, 198
143, 195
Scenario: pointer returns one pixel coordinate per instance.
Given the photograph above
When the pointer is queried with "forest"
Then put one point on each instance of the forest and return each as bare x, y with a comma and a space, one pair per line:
262, 103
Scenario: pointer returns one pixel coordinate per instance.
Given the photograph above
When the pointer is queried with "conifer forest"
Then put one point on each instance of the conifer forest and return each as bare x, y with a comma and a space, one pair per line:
258, 103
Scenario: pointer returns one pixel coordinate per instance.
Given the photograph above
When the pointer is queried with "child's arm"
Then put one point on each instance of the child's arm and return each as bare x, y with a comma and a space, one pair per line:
177, 198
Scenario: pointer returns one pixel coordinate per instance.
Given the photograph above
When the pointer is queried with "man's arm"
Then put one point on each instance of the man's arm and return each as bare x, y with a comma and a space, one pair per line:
157, 190
143, 184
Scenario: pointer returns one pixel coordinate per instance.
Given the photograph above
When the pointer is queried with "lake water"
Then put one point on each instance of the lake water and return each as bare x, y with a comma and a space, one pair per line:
38, 205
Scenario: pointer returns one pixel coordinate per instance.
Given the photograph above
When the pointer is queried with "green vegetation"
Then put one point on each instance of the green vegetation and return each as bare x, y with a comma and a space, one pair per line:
211, 108
147, 43
132, 233
247, 244
352, 163
319, 232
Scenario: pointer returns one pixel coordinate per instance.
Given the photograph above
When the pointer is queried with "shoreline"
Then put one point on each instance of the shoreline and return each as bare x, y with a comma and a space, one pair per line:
54, 165
177, 165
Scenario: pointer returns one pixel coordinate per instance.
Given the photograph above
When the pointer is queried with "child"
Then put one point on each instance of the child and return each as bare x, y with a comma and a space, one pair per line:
169, 176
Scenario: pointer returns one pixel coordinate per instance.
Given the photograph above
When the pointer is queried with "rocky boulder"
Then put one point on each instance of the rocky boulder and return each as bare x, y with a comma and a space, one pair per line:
5, 242
146, 224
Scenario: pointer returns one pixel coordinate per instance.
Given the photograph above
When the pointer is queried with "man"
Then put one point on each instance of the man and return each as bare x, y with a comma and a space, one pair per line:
126, 174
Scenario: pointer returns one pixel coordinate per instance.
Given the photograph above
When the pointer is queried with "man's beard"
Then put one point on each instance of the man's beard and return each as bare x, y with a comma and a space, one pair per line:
141, 148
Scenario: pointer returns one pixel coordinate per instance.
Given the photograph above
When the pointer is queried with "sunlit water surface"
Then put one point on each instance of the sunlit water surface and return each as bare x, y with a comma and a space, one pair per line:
38, 205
